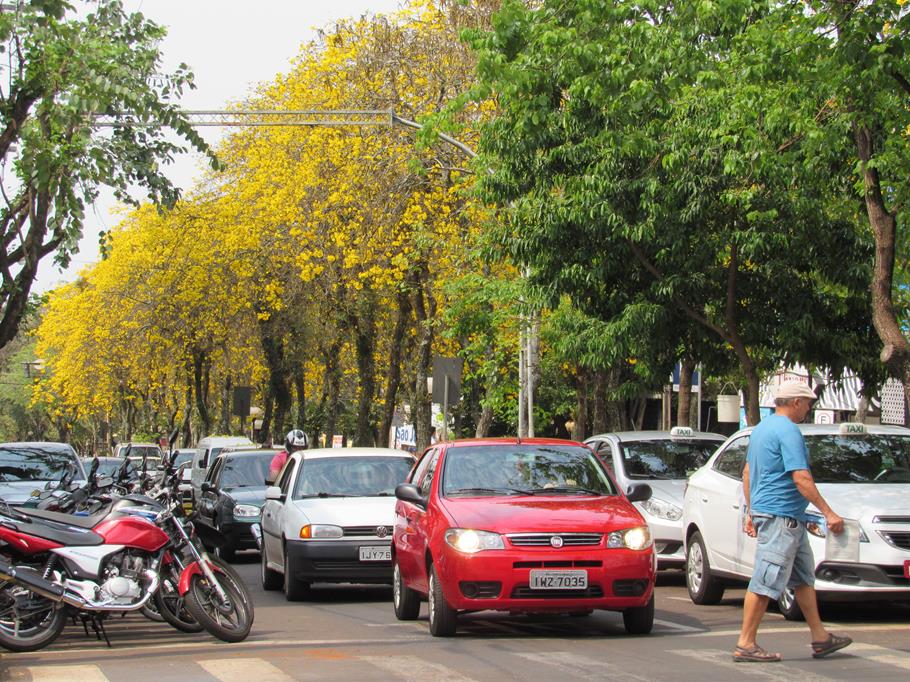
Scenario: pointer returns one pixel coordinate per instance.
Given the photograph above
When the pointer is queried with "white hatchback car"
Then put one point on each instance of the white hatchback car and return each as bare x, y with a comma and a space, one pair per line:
330, 518
863, 472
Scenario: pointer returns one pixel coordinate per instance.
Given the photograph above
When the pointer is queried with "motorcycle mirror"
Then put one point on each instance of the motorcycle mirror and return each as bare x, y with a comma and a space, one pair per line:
173, 437
94, 467
105, 481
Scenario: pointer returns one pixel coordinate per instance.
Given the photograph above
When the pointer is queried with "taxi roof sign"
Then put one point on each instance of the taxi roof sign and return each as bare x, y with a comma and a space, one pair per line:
681, 432
852, 429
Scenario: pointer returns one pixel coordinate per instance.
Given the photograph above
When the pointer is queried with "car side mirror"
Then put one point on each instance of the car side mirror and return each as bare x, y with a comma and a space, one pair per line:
408, 492
274, 493
639, 492
207, 487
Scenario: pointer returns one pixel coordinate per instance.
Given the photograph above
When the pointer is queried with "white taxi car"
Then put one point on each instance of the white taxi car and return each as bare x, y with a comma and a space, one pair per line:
863, 472
663, 460
330, 518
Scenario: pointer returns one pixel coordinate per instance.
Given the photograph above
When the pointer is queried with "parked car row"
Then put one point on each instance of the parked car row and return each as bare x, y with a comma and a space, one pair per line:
531, 525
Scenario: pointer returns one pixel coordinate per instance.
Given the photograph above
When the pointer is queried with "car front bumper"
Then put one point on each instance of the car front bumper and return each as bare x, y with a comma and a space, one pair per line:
238, 534
500, 579
337, 561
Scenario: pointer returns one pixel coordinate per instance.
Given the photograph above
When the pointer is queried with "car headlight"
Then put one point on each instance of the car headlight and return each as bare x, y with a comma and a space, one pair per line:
818, 526
662, 509
246, 511
630, 538
472, 541
318, 531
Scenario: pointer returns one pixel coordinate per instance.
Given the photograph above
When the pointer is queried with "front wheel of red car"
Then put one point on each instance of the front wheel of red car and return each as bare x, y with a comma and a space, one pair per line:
405, 600
442, 616
640, 619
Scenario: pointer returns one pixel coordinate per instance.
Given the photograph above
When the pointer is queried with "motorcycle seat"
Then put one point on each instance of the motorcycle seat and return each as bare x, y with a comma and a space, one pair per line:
61, 532
68, 519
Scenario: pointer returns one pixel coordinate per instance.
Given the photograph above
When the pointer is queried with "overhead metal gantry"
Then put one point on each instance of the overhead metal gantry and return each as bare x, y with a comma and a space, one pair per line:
269, 118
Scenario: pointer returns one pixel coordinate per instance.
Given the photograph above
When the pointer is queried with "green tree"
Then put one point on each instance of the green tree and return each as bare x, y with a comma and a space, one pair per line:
60, 70
643, 167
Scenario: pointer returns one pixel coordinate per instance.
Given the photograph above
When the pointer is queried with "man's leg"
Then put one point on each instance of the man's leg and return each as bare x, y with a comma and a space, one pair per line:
808, 604
754, 609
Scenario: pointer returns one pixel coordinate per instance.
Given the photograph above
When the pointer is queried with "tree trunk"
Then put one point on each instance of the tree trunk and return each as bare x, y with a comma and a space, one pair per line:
365, 344
226, 404
332, 389
580, 430
266, 429
299, 379
425, 312
200, 385
273, 353
599, 422
394, 370
684, 408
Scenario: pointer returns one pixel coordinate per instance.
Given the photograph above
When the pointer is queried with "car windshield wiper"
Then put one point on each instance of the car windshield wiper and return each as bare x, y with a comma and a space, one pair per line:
491, 491
572, 490
323, 494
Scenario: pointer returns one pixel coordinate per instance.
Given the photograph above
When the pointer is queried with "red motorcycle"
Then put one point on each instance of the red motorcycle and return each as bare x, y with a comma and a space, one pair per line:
53, 564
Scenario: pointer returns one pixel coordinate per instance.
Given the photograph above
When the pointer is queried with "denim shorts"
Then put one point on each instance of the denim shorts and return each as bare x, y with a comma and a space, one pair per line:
783, 557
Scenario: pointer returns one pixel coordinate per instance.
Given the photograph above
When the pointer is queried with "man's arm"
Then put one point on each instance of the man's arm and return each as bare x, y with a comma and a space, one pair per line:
806, 486
748, 526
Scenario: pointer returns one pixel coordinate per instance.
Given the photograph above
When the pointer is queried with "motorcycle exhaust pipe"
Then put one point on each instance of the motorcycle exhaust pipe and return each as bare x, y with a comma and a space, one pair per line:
28, 577
257, 535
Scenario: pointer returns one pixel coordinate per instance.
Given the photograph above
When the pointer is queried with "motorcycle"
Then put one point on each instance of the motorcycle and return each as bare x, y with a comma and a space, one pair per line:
129, 554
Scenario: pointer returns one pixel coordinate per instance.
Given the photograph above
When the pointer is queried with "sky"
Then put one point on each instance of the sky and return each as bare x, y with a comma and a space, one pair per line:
230, 47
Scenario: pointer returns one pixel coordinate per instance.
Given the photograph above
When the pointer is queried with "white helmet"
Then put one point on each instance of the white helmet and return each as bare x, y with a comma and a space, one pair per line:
296, 440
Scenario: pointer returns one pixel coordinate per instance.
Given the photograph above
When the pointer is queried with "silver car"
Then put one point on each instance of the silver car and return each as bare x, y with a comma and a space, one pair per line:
663, 460
27, 469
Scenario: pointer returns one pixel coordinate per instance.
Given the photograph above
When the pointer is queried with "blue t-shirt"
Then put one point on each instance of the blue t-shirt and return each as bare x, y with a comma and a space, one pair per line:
776, 450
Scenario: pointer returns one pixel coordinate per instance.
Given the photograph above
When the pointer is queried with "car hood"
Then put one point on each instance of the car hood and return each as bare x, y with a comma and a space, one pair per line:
862, 501
254, 495
349, 511
564, 513
17, 492
670, 491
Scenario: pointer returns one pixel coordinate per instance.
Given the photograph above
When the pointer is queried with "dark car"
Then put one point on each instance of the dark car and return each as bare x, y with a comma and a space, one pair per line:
232, 495
27, 469
109, 466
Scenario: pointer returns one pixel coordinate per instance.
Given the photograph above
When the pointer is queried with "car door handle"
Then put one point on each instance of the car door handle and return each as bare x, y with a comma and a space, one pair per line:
736, 506
704, 499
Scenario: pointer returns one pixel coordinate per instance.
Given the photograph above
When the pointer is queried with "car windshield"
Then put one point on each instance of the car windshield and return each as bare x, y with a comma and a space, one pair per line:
869, 458
524, 469
246, 470
182, 457
35, 463
666, 459
136, 451
352, 476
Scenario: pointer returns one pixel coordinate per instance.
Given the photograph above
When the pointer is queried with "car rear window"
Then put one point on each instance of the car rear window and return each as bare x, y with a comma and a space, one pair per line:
867, 458
524, 469
665, 459
35, 464
246, 470
351, 476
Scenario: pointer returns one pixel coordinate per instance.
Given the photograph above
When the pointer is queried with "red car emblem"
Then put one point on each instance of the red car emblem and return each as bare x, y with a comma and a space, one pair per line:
556, 541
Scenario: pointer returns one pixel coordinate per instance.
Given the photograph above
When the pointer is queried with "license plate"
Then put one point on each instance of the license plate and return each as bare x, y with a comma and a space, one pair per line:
559, 580
376, 553
907, 568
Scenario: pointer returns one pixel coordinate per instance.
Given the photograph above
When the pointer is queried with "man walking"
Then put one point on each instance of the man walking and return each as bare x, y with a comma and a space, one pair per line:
778, 487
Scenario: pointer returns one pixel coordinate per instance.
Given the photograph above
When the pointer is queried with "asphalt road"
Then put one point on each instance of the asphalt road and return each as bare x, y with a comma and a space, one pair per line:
351, 633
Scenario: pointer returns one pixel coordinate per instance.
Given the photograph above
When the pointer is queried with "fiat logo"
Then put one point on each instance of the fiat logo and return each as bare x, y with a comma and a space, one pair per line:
381, 531
556, 541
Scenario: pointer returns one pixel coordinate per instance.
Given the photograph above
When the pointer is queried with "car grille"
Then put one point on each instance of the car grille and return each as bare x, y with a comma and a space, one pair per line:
328, 565
629, 588
896, 575
480, 590
525, 592
896, 538
891, 519
367, 531
543, 539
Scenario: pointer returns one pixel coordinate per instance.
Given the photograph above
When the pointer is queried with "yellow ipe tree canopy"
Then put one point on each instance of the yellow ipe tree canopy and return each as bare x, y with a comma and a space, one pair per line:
311, 267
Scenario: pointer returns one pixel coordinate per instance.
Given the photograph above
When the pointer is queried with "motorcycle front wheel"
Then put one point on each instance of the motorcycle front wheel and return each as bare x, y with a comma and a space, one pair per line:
171, 606
28, 622
229, 621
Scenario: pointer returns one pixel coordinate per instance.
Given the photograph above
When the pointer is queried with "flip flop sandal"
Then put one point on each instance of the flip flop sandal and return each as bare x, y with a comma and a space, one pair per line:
753, 654
830, 645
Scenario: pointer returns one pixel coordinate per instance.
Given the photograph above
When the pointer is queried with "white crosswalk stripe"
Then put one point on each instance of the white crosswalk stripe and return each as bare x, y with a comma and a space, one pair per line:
59, 673
780, 672
243, 670
414, 669
879, 654
584, 667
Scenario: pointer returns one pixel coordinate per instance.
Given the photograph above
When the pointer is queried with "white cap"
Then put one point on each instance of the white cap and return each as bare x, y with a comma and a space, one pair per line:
795, 389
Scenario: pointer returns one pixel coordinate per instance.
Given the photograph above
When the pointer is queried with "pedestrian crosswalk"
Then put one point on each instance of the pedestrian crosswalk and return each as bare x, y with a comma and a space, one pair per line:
861, 661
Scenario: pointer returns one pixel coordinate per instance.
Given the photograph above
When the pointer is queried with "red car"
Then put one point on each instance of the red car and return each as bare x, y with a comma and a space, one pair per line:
530, 526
